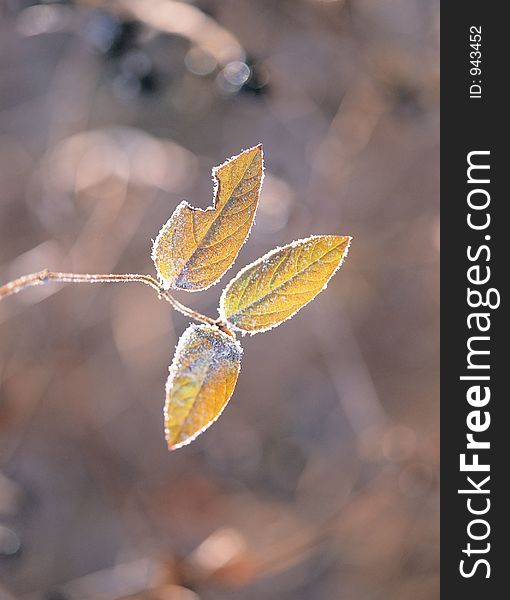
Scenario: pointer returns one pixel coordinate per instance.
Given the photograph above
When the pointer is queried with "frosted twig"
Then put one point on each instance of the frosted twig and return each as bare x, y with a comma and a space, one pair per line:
44, 276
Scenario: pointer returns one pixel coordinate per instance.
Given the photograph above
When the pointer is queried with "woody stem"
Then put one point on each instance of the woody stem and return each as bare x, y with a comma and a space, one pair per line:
44, 276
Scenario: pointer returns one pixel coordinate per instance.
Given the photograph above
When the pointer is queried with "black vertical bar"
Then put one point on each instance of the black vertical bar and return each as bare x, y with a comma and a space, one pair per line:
473, 120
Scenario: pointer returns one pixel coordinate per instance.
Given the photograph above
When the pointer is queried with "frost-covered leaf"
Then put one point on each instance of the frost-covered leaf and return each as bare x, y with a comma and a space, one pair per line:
195, 247
276, 286
202, 378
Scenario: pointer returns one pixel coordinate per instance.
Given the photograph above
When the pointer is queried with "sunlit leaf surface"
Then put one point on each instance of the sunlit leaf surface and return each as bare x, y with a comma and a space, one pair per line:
195, 247
275, 287
202, 378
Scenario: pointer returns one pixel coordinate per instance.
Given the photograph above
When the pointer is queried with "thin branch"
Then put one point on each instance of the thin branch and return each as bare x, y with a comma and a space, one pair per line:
42, 277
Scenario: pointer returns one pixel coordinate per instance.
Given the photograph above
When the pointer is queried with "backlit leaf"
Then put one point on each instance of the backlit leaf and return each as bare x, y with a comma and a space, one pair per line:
276, 286
202, 378
195, 247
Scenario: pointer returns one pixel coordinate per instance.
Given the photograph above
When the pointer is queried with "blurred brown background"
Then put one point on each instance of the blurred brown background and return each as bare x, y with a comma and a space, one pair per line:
319, 482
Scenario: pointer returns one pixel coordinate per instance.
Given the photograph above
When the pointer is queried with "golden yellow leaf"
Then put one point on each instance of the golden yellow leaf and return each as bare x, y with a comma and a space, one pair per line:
195, 247
202, 378
274, 287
